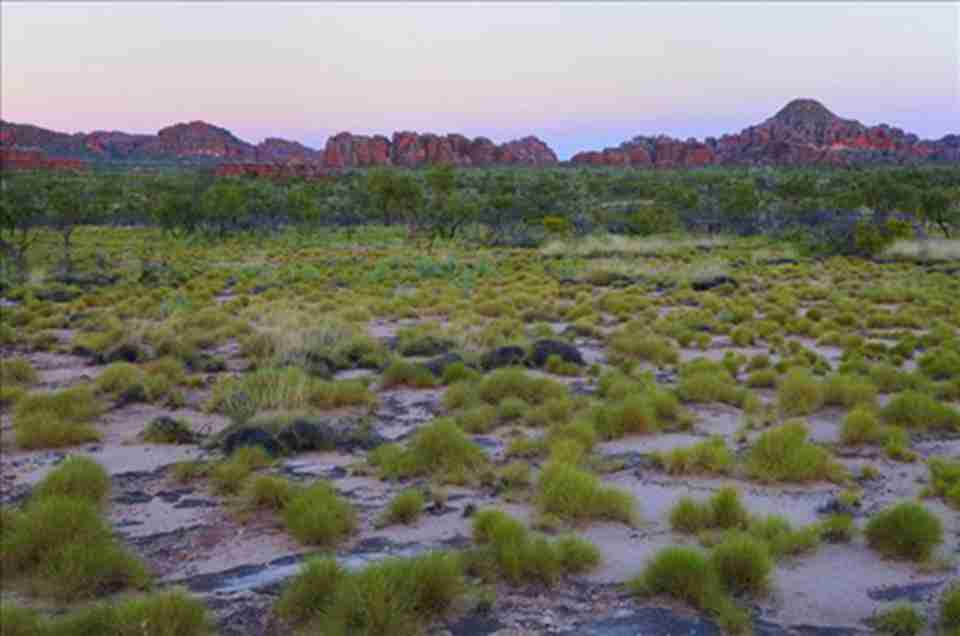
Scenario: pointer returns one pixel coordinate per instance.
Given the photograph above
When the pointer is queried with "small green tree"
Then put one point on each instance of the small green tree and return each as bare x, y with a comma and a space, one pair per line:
941, 207
22, 206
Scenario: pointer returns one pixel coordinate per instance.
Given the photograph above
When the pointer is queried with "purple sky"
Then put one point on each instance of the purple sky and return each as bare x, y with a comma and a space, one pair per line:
580, 76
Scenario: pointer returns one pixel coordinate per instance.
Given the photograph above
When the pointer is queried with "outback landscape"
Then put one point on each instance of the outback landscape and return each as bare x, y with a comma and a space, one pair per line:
437, 384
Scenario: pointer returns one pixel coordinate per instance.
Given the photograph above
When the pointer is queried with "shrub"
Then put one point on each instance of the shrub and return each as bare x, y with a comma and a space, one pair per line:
782, 538
945, 479
403, 373
799, 393
630, 346
440, 448
848, 391
119, 378
727, 511
576, 554
784, 454
66, 551
690, 516
950, 607
901, 620
77, 477
905, 531
683, 573
709, 457
395, 596
837, 528
54, 420
17, 371
915, 410
318, 516
861, 426
269, 491
574, 494
710, 386
519, 555
405, 508
762, 379
742, 563
634, 414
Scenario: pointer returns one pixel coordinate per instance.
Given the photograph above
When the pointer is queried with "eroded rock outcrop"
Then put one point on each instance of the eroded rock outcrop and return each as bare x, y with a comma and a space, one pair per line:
804, 132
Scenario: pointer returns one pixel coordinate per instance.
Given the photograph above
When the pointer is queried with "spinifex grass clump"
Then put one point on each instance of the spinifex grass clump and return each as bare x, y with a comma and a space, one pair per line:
405, 508
848, 391
902, 619
704, 381
861, 426
571, 493
288, 389
783, 454
53, 420
950, 608
905, 531
742, 563
17, 371
518, 555
919, 411
630, 346
269, 491
59, 547
172, 613
712, 457
799, 393
395, 596
404, 373
229, 476
77, 477
945, 479
722, 511
317, 515
439, 449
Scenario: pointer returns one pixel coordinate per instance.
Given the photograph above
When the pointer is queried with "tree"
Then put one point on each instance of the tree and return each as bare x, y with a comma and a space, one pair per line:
396, 194
224, 205
174, 203
73, 201
22, 206
942, 208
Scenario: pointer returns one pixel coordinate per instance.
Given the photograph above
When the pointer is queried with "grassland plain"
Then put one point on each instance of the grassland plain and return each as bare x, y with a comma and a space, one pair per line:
351, 433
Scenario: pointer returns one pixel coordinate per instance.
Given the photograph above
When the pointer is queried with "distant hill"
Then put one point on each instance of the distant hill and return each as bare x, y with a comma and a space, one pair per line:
802, 133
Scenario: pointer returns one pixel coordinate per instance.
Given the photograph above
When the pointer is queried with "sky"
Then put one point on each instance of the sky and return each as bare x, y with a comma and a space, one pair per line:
578, 75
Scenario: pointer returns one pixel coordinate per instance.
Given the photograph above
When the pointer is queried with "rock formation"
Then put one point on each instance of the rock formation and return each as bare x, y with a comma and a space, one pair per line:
804, 132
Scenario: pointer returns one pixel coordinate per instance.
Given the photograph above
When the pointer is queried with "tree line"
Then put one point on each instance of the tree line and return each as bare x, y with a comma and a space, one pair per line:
839, 211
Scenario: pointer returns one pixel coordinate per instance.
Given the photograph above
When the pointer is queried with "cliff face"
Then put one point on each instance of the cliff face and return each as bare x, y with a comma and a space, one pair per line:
32, 159
804, 132
412, 150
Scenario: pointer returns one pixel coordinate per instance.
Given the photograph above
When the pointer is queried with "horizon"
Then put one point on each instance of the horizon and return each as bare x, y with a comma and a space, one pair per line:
565, 84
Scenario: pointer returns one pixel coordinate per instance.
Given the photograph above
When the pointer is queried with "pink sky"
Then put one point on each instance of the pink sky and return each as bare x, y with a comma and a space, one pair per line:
577, 75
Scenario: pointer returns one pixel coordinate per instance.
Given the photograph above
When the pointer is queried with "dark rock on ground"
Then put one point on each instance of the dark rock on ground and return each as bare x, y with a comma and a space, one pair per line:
250, 436
307, 434
543, 349
706, 284
503, 357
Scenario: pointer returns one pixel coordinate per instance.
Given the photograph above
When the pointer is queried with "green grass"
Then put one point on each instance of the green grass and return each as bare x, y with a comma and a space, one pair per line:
55, 420
799, 393
681, 573
950, 607
405, 508
403, 373
901, 620
319, 516
77, 477
61, 548
172, 613
742, 563
783, 454
395, 596
574, 494
119, 378
905, 531
711, 457
861, 426
724, 510
945, 479
228, 477
518, 555
269, 492
17, 371
848, 391
919, 411
782, 538
440, 449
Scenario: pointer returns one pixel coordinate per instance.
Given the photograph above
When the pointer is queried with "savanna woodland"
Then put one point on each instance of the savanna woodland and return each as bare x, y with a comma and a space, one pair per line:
471, 401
